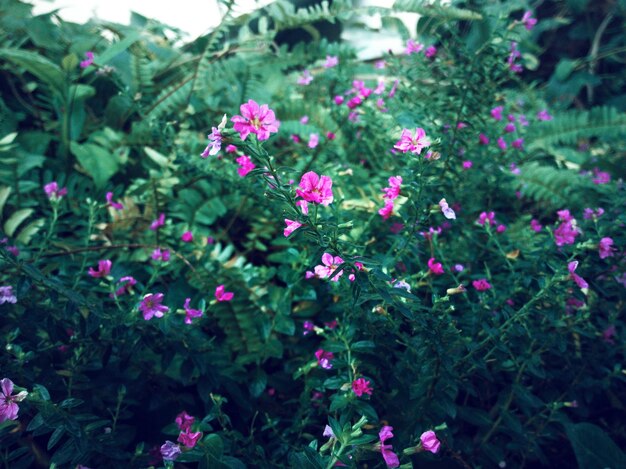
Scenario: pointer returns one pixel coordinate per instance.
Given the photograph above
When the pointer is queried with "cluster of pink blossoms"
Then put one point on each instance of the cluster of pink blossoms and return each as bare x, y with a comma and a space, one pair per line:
315, 189
53, 192
188, 438
567, 230
413, 47
489, 218
390, 194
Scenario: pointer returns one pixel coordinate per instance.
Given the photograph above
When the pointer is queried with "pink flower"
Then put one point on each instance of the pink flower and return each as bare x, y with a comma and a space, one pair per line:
314, 139
486, 217
88, 61
484, 140
304, 206
305, 79
500, 228
8, 402
308, 327
292, 225
606, 248
157, 255
324, 358
338, 100
189, 438
111, 203
354, 102
7, 295
528, 20
481, 284
104, 269
304, 120
393, 191
435, 267
215, 143
151, 306
411, 143
515, 54
331, 61
601, 177
330, 135
126, 285
608, 334
566, 232
496, 113
393, 90
589, 213
502, 143
467, 164
446, 210
413, 47
316, 189
510, 127
430, 442
187, 237
571, 267
254, 119
221, 295
329, 264
544, 116
190, 314
231, 149
53, 192
245, 165
379, 64
361, 386
535, 226
387, 210
430, 51
391, 459
158, 223
184, 421
518, 143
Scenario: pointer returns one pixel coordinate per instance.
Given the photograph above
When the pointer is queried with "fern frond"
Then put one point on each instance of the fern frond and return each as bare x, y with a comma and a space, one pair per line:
436, 10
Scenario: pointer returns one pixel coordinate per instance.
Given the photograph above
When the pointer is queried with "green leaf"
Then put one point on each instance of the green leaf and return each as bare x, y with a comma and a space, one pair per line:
39, 66
99, 163
4, 195
55, 437
117, 48
16, 219
593, 447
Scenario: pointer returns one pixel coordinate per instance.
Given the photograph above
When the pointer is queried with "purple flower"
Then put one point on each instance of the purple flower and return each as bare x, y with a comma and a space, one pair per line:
430, 51
7, 295
88, 61
481, 284
127, 284
305, 79
430, 442
151, 306
571, 267
215, 143
53, 192
391, 459
158, 223
606, 248
331, 61
104, 269
496, 113
544, 116
191, 313
184, 421
8, 402
170, 451
159, 255
528, 20
111, 203
259, 120
324, 358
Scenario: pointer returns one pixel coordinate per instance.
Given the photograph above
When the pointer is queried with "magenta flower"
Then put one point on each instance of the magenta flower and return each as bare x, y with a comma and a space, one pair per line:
328, 266
518, 143
292, 225
413, 143
215, 143
158, 223
259, 120
304, 206
510, 127
502, 143
104, 269
111, 203
380, 64
446, 210
7, 295
308, 327
430, 442
314, 139
331, 61
305, 79
567, 230
413, 47
231, 149
151, 306
435, 267
544, 115
190, 314
88, 61
187, 237
361, 386
159, 255
391, 459
535, 226
430, 51
486, 217
601, 177
496, 113
514, 55
8, 402
481, 284
354, 102
467, 164
189, 438
528, 20
222, 295
483, 139
53, 192
501, 228
245, 165
589, 213
606, 248
170, 451
184, 421
316, 189
571, 267
126, 285
393, 191
324, 358
338, 100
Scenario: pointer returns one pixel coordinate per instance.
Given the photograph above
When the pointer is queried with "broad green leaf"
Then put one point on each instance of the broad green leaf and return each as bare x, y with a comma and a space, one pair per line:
117, 48
4, 195
16, 219
30, 230
38, 65
99, 163
593, 447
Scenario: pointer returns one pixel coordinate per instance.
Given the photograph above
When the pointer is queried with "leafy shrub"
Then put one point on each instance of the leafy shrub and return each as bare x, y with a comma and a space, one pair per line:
370, 262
